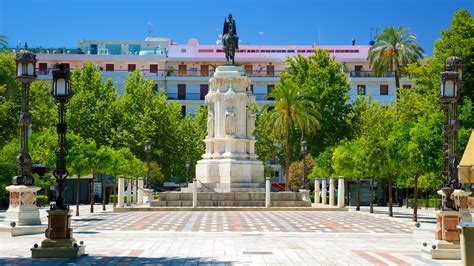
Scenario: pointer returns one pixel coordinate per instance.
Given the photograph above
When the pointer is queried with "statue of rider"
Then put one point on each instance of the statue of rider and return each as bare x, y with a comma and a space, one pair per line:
229, 34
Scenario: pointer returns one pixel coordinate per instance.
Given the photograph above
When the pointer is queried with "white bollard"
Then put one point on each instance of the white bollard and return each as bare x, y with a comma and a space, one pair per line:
195, 194
317, 191
140, 191
267, 193
324, 191
129, 192
331, 191
340, 193
121, 190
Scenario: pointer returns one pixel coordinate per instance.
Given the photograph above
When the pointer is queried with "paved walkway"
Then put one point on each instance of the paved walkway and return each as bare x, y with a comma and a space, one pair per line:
273, 238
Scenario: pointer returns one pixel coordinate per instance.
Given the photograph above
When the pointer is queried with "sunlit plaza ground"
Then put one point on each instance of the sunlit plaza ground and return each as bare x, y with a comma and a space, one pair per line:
246, 237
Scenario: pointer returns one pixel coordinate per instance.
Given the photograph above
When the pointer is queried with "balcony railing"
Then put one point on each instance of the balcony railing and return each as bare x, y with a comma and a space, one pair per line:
200, 97
176, 73
369, 74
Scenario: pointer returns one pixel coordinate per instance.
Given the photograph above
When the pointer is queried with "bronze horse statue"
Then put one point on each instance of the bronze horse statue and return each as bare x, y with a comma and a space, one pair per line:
230, 40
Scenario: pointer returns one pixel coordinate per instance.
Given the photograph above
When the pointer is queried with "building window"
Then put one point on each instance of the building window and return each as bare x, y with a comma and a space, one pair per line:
251, 88
270, 70
43, 68
204, 70
407, 86
109, 67
248, 70
269, 90
131, 67
360, 89
383, 89
153, 68
183, 110
203, 91
182, 70
181, 91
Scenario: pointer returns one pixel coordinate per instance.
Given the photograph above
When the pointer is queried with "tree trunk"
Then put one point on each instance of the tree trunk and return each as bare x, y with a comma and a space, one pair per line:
415, 199
406, 197
92, 193
104, 193
397, 79
390, 200
287, 159
78, 191
372, 195
115, 192
358, 195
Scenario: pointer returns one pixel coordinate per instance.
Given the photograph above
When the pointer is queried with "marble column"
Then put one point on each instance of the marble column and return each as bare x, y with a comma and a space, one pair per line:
195, 194
331, 191
340, 192
129, 192
324, 191
267, 192
135, 192
121, 190
317, 191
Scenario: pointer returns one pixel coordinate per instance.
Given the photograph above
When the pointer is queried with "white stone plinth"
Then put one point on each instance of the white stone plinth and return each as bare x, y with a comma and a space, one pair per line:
324, 191
331, 192
140, 191
317, 191
22, 209
267, 193
129, 192
121, 190
340, 193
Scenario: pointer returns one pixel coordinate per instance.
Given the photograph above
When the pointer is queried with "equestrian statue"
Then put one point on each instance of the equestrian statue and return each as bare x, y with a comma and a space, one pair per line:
230, 40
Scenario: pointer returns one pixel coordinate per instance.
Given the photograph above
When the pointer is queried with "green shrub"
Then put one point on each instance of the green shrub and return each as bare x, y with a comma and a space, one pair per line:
156, 196
42, 200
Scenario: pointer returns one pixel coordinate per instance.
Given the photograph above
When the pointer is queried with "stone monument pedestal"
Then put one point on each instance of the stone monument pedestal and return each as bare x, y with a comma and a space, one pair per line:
22, 216
230, 163
59, 242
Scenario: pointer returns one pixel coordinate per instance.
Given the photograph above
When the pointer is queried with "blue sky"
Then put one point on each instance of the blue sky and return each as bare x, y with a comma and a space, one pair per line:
58, 23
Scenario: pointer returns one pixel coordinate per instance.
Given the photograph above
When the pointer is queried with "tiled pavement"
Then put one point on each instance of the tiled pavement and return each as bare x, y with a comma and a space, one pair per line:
274, 238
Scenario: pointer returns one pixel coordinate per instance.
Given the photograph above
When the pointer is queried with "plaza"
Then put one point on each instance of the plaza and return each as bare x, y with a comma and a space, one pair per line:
248, 237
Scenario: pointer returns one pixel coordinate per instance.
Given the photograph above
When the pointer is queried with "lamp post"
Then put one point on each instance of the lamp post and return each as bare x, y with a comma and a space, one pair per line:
59, 242
147, 152
26, 74
304, 151
450, 83
61, 91
187, 165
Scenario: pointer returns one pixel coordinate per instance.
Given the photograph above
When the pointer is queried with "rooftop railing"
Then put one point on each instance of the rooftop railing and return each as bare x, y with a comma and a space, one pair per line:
369, 74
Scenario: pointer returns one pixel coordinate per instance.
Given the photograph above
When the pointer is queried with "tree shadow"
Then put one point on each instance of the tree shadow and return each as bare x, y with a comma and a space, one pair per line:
118, 260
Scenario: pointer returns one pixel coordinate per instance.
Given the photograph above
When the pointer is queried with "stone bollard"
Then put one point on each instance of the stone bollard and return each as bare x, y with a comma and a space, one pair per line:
121, 190
317, 191
140, 191
135, 191
267, 193
129, 192
195, 194
340, 193
331, 191
324, 191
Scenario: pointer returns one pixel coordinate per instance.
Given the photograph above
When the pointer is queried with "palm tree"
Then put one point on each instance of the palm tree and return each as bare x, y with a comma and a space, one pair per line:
393, 49
3, 42
293, 108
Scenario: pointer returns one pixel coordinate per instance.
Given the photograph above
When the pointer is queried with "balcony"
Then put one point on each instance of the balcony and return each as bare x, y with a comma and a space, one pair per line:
369, 74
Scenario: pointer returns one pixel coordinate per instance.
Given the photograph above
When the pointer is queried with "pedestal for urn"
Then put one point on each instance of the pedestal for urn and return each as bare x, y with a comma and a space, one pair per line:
230, 163
22, 216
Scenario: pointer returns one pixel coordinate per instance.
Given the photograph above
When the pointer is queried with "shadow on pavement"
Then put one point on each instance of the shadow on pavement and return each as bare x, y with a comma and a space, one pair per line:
122, 260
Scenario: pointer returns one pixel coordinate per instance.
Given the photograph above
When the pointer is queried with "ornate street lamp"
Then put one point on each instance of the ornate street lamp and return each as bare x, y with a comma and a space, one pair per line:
450, 83
26, 74
187, 165
147, 152
61, 91
304, 151
59, 235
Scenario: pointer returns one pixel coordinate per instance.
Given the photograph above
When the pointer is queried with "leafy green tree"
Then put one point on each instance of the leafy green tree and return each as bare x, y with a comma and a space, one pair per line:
81, 155
323, 165
321, 76
295, 179
393, 49
458, 40
8, 155
293, 110
9, 99
116, 167
156, 175
42, 106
